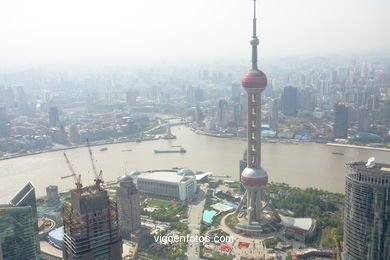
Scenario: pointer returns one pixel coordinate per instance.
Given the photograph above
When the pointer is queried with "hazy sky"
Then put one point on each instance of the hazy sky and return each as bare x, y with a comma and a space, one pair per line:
90, 30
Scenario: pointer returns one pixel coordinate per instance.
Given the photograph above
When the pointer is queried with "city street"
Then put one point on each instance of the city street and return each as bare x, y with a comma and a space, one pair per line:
195, 212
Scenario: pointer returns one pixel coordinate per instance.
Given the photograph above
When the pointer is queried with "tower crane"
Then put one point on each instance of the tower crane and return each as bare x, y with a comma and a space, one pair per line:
74, 175
98, 177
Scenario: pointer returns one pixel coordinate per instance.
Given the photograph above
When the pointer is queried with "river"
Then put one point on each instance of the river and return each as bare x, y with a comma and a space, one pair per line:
302, 165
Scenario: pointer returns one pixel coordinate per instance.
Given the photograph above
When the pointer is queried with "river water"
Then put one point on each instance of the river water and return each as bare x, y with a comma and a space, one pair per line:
302, 165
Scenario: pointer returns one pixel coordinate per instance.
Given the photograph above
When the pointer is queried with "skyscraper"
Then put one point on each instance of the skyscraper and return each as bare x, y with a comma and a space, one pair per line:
254, 177
3, 122
91, 228
237, 114
19, 227
367, 211
364, 119
222, 114
274, 115
128, 207
131, 97
340, 127
53, 116
74, 135
236, 92
289, 101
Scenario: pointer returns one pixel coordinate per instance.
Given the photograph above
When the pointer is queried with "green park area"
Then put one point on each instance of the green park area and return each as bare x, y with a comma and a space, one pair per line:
159, 203
323, 206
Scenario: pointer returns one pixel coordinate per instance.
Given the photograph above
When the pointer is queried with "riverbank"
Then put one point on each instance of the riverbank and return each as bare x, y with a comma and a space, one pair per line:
360, 147
263, 140
287, 141
13, 156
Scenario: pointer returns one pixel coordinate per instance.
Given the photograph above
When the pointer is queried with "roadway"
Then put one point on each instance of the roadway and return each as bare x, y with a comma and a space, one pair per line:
195, 213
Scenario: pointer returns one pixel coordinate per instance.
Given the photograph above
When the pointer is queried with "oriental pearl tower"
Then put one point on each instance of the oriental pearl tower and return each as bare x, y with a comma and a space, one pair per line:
254, 177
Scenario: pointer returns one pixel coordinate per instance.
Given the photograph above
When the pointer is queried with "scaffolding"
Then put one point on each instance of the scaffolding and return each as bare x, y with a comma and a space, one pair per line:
91, 229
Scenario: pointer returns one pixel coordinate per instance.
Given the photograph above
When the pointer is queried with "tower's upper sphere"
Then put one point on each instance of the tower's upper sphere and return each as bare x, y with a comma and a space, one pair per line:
255, 79
255, 41
253, 178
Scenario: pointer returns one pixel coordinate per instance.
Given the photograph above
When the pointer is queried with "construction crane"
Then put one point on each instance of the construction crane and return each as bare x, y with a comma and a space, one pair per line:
98, 177
74, 175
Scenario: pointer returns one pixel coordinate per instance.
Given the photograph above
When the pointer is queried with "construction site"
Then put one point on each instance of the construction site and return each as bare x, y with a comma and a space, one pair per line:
90, 220
91, 227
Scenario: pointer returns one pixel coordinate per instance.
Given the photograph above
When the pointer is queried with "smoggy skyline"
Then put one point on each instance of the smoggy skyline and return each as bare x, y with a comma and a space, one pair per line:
73, 31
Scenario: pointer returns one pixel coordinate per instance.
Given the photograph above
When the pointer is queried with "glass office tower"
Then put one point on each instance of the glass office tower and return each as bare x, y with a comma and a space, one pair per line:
19, 239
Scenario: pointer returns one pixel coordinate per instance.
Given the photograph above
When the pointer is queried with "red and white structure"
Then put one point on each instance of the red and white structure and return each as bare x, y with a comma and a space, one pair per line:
254, 178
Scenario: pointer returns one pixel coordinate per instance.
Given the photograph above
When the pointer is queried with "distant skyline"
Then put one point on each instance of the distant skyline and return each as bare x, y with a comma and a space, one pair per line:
119, 30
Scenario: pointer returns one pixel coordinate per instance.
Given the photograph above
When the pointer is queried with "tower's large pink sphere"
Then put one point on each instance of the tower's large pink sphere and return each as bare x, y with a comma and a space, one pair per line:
254, 177
255, 79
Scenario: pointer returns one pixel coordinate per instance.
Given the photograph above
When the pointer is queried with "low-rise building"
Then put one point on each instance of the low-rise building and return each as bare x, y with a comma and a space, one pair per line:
169, 184
298, 227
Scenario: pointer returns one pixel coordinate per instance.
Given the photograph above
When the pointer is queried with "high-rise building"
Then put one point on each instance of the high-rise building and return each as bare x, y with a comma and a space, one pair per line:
364, 119
91, 229
236, 92
131, 97
52, 195
190, 95
198, 116
19, 237
128, 207
222, 114
3, 122
289, 101
238, 114
53, 116
367, 211
273, 124
254, 177
74, 135
198, 95
340, 127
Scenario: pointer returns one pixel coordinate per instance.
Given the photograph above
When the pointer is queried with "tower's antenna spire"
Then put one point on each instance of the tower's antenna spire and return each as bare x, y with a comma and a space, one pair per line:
255, 40
254, 18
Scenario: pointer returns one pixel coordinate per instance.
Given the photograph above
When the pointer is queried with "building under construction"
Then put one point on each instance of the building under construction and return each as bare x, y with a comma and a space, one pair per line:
367, 211
91, 228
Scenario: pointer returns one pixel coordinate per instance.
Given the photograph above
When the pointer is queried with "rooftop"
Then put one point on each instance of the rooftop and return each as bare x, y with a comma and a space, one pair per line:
22, 194
299, 223
163, 175
375, 168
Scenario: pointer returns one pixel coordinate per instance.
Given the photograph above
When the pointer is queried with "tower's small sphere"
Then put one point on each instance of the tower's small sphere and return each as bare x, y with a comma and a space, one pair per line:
254, 178
255, 41
255, 79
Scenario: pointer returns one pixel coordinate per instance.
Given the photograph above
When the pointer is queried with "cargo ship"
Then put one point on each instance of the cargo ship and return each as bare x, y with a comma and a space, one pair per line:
181, 150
